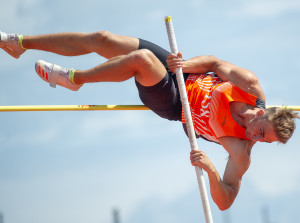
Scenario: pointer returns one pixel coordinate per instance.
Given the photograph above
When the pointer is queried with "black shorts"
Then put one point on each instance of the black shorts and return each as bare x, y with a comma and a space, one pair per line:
162, 98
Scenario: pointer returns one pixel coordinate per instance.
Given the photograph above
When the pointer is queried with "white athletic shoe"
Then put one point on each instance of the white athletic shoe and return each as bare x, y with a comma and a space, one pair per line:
55, 74
10, 43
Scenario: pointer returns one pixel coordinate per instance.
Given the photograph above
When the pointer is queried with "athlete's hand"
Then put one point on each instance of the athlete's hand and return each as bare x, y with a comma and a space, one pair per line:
199, 158
174, 61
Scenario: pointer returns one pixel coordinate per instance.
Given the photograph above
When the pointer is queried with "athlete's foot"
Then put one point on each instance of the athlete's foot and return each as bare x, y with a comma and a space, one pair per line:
55, 74
11, 43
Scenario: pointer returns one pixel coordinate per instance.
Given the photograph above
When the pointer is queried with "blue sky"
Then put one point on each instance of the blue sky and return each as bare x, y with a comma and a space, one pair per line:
77, 166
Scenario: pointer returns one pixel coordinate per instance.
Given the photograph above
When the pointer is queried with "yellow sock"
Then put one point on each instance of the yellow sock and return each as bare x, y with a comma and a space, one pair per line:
72, 72
20, 42
71, 75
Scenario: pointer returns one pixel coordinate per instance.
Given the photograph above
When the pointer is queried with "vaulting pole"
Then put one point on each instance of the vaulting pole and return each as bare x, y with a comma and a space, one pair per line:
189, 121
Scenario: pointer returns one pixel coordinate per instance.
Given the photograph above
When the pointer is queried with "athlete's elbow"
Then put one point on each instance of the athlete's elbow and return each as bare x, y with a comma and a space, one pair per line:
224, 206
251, 80
226, 201
214, 62
213, 59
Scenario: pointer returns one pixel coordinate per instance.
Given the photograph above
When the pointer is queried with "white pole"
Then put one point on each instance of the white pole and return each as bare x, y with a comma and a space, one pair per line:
189, 122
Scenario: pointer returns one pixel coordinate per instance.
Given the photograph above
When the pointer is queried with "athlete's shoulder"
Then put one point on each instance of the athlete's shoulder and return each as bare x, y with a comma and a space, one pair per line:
236, 147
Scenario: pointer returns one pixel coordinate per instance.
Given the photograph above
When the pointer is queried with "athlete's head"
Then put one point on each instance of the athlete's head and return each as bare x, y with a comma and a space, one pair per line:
272, 124
283, 121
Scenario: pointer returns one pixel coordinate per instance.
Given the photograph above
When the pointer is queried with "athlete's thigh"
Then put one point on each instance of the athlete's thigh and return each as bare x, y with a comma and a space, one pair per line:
111, 45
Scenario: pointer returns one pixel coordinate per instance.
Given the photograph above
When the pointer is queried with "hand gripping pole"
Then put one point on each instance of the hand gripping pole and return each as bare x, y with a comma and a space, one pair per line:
189, 122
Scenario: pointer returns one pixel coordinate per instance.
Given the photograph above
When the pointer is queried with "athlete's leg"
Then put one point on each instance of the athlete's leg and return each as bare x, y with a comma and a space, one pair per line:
142, 64
146, 66
104, 43
157, 89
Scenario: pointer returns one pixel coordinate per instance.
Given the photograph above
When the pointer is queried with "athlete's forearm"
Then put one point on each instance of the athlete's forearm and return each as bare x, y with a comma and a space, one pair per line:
200, 64
222, 194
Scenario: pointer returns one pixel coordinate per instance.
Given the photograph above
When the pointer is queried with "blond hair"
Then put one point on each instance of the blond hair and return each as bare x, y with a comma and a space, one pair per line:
283, 121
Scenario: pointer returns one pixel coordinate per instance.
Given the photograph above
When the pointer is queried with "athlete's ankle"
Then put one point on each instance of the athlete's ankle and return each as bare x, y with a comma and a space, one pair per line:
73, 79
21, 42
12, 44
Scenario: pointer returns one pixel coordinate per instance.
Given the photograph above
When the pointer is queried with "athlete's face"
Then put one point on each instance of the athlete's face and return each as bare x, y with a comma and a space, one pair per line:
260, 129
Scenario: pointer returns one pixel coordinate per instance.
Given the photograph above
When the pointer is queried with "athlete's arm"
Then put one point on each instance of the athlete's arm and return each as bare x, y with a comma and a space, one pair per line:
243, 78
225, 191
200, 64
238, 163
220, 191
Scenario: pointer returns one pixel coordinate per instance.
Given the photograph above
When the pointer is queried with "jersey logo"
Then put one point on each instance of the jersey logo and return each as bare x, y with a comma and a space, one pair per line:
224, 121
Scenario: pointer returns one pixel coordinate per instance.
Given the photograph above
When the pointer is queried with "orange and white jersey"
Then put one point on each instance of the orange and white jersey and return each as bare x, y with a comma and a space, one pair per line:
209, 100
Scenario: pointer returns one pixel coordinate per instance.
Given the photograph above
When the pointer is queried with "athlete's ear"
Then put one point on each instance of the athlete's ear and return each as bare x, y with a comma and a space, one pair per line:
260, 112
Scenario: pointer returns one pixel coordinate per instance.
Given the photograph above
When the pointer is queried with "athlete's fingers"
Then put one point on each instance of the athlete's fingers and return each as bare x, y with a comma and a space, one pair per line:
196, 151
197, 156
176, 64
174, 56
179, 55
171, 56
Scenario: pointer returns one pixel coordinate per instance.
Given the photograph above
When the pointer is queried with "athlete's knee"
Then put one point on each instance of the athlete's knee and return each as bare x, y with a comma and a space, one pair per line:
147, 68
143, 57
101, 36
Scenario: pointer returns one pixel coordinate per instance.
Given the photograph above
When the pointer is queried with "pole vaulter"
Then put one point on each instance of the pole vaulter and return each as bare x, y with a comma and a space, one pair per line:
221, 102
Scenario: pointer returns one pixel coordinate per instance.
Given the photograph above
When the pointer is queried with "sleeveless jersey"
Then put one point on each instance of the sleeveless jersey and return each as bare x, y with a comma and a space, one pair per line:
209, 100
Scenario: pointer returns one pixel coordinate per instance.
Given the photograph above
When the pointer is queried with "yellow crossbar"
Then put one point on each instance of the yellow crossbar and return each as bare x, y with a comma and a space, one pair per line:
71, 108
293, 107
18, 108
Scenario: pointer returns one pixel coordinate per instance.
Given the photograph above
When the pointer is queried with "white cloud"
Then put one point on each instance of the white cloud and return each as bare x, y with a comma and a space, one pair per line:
156, 15
22, 16
96, 187
134, 125
265, 8
275, 171
196, 3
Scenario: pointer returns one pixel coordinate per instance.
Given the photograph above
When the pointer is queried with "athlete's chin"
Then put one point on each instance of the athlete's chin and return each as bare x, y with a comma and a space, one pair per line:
248, 136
